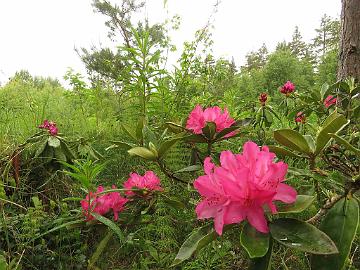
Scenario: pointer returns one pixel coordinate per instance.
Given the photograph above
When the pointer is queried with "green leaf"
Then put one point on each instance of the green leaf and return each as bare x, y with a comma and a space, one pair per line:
53, 142
165, 146
292, 139
142, 152
175, 128
192, 168
3, 263
139, 129
66, 150
41, 148
59, 154
300, 235
226, 131
333, 124
282, 152
345, 143
302, 202
120, 144
340, 223
209, 130
263, 263
100, 249
255, 243
174, 203
199, 238
324, 91
195, 138
110, 224
58, 228
311, 142
129, 132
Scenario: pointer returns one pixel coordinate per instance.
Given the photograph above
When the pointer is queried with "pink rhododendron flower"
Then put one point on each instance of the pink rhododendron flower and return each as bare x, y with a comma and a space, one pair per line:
300, 118
148, 182
102, 204
241, 186
50, 126
198, 118
330, 100
287, 88
263, 98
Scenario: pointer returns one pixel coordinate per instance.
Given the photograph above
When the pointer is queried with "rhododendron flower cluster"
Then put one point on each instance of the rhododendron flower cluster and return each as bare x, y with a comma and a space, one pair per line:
300, 118
263, 98
148, 182
287, 88
241, 187
50, 126
103, 203
198, 118
330, 100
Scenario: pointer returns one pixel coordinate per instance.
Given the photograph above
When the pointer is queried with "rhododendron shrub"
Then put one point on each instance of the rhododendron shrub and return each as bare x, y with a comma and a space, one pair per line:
240, 188
102, 203
198, 119
147, 183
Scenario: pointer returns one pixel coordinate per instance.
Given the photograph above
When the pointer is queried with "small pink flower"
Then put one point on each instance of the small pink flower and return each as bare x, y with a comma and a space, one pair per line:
241, 186
287, 88
102, 204
50, 126
45, 124
263, 98
300, 118
330, 100
53, 130
148, 182
198, 118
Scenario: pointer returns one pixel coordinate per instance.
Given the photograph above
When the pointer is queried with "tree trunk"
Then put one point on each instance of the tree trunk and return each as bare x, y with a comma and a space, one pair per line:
349, 58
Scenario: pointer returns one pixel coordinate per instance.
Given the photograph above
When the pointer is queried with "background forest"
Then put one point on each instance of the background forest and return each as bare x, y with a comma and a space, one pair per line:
131, 98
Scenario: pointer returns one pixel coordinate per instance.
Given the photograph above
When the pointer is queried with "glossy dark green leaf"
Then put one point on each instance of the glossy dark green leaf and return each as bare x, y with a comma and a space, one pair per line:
142, 152
302, 202
300, 235
340, 223
255, 243
53, 142
199, 238
292, 139
333, 124
263, 263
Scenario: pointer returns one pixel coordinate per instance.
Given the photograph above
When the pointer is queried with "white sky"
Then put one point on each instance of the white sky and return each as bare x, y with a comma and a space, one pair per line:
40, 35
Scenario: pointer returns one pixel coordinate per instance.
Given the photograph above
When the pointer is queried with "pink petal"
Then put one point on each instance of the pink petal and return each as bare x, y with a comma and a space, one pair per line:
256, 218
235, 213
285, 193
